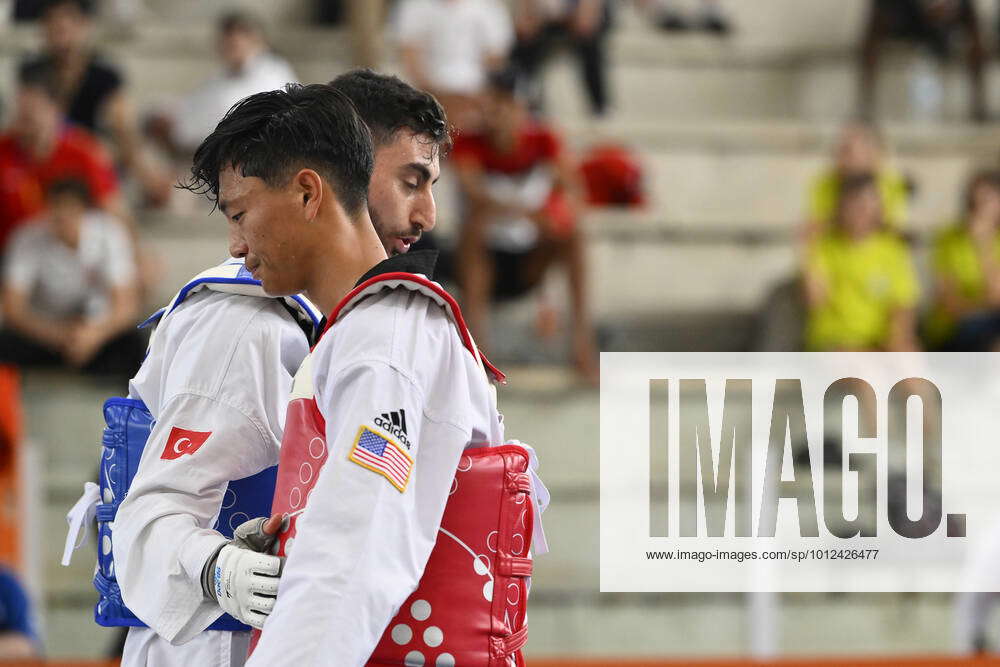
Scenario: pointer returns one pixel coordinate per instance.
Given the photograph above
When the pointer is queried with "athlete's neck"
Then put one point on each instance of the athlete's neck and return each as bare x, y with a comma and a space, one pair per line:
347, 256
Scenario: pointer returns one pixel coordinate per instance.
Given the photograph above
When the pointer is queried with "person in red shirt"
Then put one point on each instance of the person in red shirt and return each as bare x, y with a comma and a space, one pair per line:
38, 149
523, 198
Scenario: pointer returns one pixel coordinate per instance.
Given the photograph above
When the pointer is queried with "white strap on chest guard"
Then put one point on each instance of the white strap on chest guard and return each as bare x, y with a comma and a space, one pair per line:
232, 277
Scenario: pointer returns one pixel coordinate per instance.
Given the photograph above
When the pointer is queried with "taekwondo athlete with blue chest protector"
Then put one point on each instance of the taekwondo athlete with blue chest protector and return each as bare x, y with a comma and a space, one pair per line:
217, 381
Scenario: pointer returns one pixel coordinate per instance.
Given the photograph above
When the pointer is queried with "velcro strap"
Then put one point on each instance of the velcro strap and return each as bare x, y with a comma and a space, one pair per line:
108, 588
503, 647
519, 481
106, 512
514, 566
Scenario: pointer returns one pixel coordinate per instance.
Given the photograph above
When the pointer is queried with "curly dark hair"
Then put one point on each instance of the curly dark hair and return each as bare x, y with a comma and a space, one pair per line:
273, 134
388, 105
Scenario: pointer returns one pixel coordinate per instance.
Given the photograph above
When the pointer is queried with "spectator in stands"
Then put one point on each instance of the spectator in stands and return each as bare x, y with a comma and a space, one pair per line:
448, 48
248, 66
38, 149
965, 315
861, 288
91, 92
18, 639
859, 151
69, 294
523, 200
932, 24
541, 25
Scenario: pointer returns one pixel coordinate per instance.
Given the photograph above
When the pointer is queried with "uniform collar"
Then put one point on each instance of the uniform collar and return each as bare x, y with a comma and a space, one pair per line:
415, 261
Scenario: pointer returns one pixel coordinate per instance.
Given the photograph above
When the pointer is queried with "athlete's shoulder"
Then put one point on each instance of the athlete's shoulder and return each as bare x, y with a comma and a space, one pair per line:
214, 325
234, 289
396, 313
394, 322
217, 342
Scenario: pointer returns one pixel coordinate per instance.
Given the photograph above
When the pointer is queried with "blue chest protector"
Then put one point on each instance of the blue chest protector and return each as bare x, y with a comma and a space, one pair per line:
129, 424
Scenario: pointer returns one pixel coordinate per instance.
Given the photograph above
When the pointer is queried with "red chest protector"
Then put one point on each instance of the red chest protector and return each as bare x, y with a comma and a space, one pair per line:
470, 605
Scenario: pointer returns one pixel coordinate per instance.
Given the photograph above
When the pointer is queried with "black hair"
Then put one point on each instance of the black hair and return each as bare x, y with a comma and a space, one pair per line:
85, 7
389, 105
272, 134
237, 20
39, 75
69, 187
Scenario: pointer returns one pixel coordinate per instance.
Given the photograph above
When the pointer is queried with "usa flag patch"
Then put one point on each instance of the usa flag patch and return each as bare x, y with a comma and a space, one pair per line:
380, 454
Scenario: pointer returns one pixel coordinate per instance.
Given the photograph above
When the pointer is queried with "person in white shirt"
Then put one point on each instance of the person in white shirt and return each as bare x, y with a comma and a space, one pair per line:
69, 294
248, 66
479, 36
221, 363
394, 355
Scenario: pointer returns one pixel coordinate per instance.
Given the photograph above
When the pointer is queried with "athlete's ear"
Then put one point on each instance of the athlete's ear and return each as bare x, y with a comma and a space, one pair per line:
309, 188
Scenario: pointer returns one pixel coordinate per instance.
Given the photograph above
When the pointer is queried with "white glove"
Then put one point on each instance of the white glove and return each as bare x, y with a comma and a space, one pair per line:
243, 581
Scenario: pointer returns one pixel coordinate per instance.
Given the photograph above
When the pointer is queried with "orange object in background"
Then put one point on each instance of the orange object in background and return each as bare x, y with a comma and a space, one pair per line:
11, 432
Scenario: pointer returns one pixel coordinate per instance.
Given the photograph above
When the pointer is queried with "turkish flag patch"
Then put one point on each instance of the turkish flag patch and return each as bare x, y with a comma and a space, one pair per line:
182, 441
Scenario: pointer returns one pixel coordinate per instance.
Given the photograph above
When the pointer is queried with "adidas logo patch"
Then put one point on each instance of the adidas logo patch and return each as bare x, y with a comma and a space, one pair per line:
394, 422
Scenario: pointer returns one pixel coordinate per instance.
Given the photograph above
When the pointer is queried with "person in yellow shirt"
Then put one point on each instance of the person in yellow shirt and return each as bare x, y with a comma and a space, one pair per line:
861, 288
965, 315
859, 151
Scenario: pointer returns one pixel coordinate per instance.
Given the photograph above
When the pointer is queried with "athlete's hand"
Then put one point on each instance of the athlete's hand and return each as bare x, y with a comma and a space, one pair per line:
260, 534
241, 579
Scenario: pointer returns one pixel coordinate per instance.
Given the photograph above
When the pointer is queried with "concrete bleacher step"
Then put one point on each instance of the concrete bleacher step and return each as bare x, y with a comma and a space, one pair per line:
765, 70
786, 58
778, 135
745, 176
662, 81
644, 625
63, 422
643, 278
765, 24
277, 14
707, 188
814, 88
650, 289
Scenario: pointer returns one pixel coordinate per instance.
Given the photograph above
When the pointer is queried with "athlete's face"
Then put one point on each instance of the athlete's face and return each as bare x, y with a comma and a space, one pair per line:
266, 227
400, 199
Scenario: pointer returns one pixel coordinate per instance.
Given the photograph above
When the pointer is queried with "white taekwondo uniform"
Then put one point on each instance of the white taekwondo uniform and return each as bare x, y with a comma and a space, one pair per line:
394, 358
220, 364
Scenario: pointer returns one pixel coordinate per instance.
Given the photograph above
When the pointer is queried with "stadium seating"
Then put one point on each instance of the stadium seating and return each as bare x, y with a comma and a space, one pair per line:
730, 132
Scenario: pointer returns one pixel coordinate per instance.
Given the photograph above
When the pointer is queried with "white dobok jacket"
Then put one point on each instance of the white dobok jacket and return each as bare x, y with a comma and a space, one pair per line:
220, 364
368, 531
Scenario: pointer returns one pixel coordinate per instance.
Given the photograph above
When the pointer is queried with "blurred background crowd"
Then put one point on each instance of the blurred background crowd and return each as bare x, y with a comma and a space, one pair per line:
705, 175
